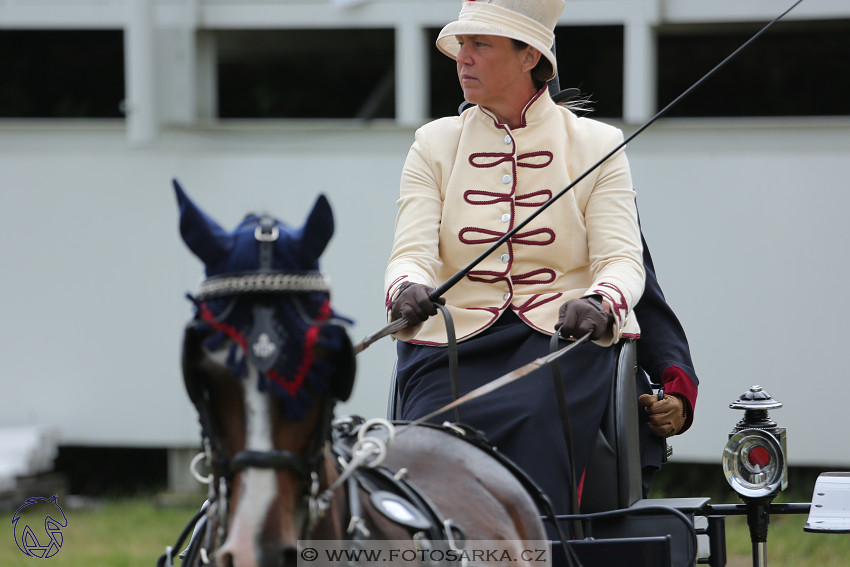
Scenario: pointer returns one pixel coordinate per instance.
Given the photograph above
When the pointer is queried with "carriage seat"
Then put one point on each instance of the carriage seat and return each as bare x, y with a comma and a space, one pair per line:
613, 478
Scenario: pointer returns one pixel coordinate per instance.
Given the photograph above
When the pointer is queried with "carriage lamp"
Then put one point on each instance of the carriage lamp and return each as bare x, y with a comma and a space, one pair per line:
754, 464
754, 456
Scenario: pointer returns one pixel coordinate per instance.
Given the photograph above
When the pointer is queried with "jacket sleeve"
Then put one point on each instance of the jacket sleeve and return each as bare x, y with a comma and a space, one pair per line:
415, 252
614, 244
662, 350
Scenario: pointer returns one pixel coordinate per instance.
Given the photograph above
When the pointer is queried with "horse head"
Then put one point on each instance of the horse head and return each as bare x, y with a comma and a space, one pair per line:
264, 361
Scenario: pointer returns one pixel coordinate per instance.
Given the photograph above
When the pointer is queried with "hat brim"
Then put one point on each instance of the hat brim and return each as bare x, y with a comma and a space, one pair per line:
448, 45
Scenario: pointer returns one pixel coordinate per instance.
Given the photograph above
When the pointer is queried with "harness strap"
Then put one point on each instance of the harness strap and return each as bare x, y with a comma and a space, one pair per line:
375, 479
356, 528
167, 558
561, 396
451, 343
437, 530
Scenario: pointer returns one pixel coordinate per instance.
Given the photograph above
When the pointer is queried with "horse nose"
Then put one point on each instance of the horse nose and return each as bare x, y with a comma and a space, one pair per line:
223, 560
289, 557
277, 556
268, 556
237, 553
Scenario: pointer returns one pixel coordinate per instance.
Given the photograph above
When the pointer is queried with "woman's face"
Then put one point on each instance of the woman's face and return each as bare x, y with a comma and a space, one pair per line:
490, 68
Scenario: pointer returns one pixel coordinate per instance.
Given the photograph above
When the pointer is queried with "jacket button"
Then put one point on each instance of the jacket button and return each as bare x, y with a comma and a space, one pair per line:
505, 258
506, 217
506, 179
506, 296
508, 139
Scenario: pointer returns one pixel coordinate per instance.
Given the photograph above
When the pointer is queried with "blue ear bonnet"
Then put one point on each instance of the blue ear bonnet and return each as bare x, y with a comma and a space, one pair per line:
264, 292
231, 253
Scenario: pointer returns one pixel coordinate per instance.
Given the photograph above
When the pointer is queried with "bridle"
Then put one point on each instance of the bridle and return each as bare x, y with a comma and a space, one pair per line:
262, 345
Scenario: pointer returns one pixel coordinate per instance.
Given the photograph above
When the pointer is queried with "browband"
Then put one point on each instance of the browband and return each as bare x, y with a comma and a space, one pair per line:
263, 282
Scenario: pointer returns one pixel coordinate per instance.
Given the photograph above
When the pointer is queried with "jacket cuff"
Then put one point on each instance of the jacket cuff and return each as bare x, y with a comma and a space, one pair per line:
392, 292
676, 381
615, 299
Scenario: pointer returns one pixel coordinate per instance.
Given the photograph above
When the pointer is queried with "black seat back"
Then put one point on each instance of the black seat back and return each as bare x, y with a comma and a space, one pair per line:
613, 476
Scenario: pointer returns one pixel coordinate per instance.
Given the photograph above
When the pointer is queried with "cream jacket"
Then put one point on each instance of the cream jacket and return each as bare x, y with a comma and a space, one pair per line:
468, 180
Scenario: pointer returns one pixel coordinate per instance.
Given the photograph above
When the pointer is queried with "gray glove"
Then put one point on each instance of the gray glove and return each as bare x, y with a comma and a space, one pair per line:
577, 317
413, 303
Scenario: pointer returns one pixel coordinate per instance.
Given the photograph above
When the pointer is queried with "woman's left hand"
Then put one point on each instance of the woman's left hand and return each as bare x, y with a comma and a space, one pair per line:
577, 317
666, 416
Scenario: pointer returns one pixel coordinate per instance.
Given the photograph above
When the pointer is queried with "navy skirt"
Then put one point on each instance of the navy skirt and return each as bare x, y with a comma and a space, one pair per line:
521, 419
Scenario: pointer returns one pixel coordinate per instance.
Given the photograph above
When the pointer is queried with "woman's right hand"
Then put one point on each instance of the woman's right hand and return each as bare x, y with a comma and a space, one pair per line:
414, 304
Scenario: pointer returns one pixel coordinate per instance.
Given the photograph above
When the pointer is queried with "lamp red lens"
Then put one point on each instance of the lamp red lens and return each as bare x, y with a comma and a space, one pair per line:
759, 456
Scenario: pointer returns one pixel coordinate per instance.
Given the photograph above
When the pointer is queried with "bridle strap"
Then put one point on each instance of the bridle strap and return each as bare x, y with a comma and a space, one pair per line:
277, 459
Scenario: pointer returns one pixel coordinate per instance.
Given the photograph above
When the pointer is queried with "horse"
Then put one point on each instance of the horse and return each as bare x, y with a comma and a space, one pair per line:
265, 359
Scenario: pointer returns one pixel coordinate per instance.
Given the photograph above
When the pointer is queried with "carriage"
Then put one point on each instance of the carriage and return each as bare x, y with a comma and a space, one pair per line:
266, 358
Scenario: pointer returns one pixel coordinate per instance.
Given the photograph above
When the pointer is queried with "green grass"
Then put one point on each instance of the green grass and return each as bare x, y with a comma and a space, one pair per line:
787, 544
131, 532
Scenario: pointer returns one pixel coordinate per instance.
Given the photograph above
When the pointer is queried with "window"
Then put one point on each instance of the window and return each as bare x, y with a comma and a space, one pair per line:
795, 69
61, 74
590, 58
306, 74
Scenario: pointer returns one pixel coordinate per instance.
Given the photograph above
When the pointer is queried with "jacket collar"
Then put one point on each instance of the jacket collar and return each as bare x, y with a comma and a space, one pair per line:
535, 110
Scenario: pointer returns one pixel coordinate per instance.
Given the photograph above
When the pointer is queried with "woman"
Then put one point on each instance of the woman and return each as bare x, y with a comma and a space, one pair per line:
466, 182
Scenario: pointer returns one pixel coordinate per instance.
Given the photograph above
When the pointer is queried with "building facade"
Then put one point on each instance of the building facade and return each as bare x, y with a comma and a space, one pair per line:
261, 105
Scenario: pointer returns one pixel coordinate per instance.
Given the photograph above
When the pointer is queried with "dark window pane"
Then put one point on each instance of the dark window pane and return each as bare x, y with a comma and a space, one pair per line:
446, 95
795, 69
589, 58
306, 74
61, 74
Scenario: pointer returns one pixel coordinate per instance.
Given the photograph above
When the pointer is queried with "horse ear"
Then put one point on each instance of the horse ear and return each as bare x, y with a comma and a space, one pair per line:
317, 230
209, 241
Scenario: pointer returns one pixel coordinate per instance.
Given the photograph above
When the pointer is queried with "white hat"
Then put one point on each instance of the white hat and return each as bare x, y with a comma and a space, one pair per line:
530, 21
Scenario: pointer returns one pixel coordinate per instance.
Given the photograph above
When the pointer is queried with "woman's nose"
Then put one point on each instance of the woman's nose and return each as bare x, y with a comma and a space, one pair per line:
464, 55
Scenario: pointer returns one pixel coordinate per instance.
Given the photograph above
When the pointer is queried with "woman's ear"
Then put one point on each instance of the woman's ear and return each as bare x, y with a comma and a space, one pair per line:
532, 56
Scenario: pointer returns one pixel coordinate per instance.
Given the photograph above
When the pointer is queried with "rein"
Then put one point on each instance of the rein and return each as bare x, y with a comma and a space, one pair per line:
501, 381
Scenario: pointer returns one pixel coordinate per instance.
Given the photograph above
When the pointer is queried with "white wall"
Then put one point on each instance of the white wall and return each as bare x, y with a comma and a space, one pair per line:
93, 304
746, 221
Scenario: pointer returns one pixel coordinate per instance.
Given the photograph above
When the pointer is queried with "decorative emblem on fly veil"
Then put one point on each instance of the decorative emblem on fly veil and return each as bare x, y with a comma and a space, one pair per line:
263, 347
